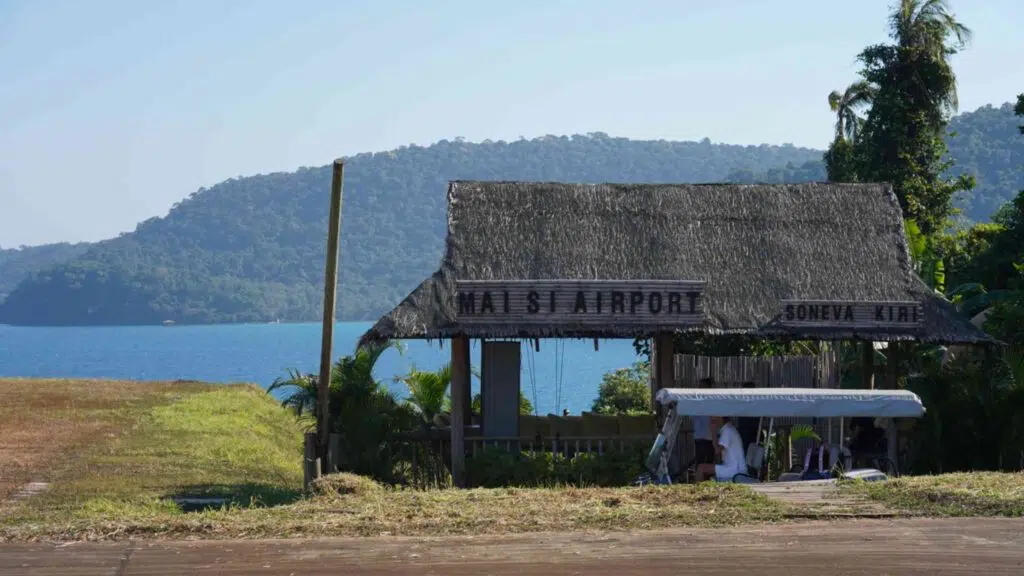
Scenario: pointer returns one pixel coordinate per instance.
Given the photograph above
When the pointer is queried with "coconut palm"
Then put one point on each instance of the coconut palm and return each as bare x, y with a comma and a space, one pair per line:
302, 392
847, 104
352, 375
927, 30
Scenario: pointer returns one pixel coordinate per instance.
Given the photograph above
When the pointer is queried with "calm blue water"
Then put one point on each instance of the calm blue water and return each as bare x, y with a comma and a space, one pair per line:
261, 352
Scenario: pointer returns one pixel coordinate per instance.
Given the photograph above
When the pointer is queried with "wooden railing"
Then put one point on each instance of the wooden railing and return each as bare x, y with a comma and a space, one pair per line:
566, 446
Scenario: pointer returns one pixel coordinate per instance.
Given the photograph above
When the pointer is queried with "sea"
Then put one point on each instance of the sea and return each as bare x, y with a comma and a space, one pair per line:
562, 375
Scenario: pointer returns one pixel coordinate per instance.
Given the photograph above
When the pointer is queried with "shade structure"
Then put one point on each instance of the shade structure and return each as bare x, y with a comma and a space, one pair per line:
753, 249
792, 402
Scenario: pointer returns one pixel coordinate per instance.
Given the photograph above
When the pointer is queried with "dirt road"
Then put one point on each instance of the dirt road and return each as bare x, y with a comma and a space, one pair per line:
957, 546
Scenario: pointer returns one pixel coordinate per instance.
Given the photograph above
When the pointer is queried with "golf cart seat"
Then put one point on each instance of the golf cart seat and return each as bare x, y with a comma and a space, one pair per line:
755, 458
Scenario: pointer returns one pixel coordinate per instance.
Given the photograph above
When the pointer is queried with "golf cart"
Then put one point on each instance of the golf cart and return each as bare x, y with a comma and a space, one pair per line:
772, 403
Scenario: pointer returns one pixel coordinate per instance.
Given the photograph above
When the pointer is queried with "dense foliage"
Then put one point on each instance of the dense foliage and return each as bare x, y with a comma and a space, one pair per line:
252, 249
982, 144
17, 264
496, 468
625, 391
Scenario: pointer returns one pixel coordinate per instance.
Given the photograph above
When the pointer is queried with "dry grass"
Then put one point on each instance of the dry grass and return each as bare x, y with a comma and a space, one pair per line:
961, 494
383, 511
46, 424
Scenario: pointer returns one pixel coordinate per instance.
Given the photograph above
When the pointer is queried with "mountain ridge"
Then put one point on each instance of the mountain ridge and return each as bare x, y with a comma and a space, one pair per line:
250, 249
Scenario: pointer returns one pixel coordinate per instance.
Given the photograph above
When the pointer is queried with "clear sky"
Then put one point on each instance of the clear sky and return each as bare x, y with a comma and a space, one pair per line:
112, 110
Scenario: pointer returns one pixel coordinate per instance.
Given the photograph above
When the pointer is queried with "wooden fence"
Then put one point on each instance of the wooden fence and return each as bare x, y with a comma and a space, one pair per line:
818, 371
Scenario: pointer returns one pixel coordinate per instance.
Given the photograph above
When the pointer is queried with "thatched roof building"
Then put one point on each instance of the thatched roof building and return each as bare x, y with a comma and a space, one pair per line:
754, 247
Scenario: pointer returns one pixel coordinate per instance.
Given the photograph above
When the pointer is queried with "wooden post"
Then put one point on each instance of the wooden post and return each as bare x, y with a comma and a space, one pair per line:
460, 381
330, 296
892, 444
663, 357
334, 453
468, 392
308, 459
868, 365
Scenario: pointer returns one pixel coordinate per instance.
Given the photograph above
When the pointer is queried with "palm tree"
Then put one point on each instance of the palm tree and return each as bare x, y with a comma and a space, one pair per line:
350, 373
302, 398
846, 104
428, 390
924, 28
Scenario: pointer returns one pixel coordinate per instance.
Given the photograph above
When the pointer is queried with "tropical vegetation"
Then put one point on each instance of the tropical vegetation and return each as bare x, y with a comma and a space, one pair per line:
625, 391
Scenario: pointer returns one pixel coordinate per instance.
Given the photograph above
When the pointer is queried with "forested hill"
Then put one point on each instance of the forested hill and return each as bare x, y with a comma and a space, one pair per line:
16, 264
252, 249
984, 142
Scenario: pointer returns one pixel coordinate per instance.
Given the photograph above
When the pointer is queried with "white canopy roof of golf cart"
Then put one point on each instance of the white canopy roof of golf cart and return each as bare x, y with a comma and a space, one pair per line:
792, 402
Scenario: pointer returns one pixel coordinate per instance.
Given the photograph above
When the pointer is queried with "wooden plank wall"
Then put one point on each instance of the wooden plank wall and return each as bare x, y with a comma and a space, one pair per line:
819, 371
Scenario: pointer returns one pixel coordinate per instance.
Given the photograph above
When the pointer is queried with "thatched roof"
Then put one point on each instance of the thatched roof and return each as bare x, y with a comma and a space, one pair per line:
754, 246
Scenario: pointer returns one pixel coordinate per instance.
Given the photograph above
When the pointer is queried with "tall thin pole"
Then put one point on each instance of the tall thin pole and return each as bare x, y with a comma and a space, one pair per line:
330, 296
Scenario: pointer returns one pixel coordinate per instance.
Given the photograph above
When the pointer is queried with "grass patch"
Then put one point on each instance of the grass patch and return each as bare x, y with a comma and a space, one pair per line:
353, 508
159, 443
961, 494
46, 424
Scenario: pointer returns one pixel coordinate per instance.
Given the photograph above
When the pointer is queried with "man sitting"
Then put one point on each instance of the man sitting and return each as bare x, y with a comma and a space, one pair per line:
730, 448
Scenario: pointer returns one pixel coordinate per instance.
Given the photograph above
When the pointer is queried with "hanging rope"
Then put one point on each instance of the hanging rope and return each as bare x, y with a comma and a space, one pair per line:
559, 372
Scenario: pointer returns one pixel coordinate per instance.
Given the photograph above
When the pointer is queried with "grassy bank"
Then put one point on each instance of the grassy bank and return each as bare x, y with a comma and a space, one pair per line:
48, 426
125, 450
118, 454
963, 494
128, 449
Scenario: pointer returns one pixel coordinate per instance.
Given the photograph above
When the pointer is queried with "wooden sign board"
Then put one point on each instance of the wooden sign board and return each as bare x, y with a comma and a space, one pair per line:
576, 302
848, 314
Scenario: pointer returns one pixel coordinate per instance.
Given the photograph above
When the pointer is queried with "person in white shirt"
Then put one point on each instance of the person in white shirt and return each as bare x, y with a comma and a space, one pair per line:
730, 447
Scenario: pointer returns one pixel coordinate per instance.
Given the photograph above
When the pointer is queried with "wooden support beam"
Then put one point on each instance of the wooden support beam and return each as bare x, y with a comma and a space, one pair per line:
309, 472
868, 365
892, 444
663, 358
334, 454
468, 365
460, 382
330, 297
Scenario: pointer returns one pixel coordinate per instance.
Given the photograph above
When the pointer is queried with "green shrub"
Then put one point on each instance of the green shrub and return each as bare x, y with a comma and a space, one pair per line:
495, 468
525, 406
625, 391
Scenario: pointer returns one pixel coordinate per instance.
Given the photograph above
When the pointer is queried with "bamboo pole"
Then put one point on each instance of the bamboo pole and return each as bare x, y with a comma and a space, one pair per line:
330, 298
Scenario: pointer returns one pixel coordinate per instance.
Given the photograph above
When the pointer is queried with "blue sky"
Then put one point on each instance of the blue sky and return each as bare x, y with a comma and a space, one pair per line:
112, 110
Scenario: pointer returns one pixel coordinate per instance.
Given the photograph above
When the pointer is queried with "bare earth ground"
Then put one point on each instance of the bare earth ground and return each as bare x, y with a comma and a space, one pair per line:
907, 546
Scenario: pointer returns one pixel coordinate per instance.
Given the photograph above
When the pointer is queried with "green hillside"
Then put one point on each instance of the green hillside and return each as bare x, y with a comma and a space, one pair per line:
985, 143
251, 249
17, 264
